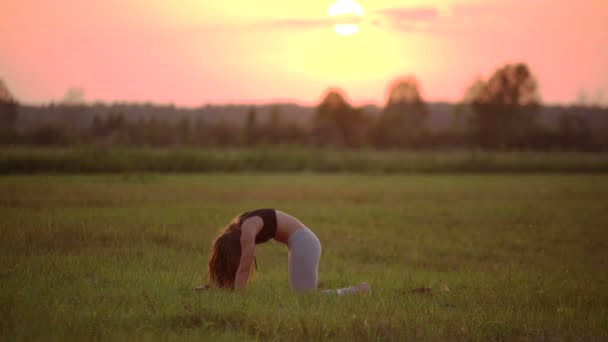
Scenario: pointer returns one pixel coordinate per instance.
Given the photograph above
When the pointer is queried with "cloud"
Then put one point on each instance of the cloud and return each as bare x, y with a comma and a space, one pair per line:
399, 17
301, 23
409, 13
454, 20
405, 19
427, 19
310, 23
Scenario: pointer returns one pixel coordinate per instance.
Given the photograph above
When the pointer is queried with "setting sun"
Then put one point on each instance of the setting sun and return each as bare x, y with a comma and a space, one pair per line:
347, 12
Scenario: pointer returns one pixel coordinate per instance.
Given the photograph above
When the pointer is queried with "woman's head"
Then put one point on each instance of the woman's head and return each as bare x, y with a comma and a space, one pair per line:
225, 257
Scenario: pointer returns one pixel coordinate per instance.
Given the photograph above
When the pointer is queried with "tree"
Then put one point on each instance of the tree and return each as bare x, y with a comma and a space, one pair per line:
184, 131
8, 109
51, 134
459, 131
505, 108
98, 128
403, 120
73, 97
463, 111
73, 110
224, 134
201, 133
252, 132
574, 132
110, 127
275, 125
158, 132
337, 122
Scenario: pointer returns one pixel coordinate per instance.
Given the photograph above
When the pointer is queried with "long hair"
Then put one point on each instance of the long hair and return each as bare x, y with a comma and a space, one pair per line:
225, 256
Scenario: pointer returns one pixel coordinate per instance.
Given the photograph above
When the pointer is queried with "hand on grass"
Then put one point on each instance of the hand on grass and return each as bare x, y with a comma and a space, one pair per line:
201, 288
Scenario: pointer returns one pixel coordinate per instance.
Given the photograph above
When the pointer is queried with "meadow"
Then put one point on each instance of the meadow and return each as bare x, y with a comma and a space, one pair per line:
449, 257
289, 158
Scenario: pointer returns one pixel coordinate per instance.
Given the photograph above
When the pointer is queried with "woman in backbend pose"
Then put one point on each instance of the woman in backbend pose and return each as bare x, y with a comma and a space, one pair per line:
233, 250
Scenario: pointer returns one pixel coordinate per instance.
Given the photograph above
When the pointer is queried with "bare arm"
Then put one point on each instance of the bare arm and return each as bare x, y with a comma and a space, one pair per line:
249, 229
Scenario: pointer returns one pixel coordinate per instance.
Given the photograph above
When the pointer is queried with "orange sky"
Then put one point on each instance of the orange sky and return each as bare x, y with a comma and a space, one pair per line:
193, 52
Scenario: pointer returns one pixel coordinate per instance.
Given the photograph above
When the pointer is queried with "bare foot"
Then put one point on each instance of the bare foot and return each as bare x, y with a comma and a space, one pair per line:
201, 288
363, 288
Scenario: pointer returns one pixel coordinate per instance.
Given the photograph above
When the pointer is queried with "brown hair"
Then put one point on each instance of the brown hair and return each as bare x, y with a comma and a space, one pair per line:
225, 256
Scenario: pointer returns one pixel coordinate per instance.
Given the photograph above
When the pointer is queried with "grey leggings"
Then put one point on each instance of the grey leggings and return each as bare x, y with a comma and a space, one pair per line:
304, 255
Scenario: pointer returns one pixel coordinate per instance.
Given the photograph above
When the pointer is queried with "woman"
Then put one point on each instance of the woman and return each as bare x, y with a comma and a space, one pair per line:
233, 250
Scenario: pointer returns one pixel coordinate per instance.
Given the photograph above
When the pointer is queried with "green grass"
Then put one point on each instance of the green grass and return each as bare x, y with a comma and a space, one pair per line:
113, 159
114, 257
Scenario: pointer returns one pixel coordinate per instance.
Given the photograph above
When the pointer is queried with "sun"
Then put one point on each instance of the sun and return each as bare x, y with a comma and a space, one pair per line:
347, 14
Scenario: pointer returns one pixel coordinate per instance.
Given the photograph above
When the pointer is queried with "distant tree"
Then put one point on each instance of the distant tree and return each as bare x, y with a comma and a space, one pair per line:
158, 132
459, 132
201, 134
5, 94
138, 132
108, 127
275, 125
97, 126
252, 131
337, 122
463, 111
115, 121
184, 131
73, 97
403, 120
294, 133
224, 134
73, 110
505, 108
574, 132
8, 110
51, 134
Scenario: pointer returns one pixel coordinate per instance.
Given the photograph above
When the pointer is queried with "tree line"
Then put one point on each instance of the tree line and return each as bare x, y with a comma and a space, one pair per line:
498, 113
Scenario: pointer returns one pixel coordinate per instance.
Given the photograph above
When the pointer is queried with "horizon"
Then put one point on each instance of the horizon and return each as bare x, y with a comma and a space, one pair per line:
191, 54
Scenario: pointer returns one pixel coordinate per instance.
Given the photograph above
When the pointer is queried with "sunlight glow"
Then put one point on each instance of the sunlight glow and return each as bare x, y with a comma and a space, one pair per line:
346, 29
349, 12
364, 58
345, 7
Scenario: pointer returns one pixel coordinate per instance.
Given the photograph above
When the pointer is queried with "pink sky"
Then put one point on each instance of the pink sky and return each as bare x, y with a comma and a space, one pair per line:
193, 52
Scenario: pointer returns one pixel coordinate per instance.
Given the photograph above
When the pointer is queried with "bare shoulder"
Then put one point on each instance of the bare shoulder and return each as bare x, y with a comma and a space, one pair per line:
252, 225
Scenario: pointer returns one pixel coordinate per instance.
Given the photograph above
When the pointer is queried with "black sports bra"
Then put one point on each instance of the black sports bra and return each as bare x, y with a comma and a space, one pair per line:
269, 229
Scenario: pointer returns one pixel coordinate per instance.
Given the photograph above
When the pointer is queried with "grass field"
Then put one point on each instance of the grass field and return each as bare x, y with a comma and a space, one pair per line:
114, 257
121, 159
